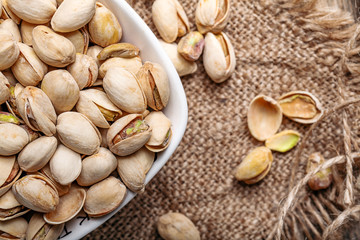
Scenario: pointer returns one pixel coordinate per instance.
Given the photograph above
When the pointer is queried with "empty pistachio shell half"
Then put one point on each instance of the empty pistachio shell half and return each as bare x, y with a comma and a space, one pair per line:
176, 226
4, 89
191, 46
301, 106
10, 208
323, 178
283, 141
131, 64
9, 50
161, 131
264, 117
36, 11
124, 50
84, 70
39, 229
212, 15
13, 139
254, 166
10, 172
12, 27
13, 229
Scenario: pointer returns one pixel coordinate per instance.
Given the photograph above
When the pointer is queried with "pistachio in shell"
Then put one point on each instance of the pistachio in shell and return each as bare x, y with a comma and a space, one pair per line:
10, 173
93, 52
34, 11
283, 141
264, 117
7, 13
62, 189
39, 229
12, 27
124, 50
10, 208
130, 64
9, 49
191, 46
84, 70
212, 15
321, 179
13, 139
80, 39
13, 229
161, 131
4, 89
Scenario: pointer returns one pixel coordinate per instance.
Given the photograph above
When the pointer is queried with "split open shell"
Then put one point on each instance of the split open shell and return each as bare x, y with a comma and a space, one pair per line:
13, 139
39, 229
264, 117
9, 174
84, 70
283, 141
14, 228
161, 131
10, 208
212, 15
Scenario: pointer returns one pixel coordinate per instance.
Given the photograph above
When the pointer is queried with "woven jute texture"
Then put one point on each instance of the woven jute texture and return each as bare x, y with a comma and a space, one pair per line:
280, 47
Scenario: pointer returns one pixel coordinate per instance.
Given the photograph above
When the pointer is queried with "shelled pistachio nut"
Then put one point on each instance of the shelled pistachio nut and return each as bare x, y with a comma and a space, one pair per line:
35, 11
26, 32
80, 39
39, 229
95, 105
128, 134
255, 166
13, 139
212, 15
155, 84
104, 28
124, 50
321, 179
173, 226
93, 52
191, 46
62, 89
14, 228
78, 133
84, 70
219, 57
73, 15
104, 197
161, 131
6, 117
12, 27
131, 64
264, 117
52, 48
8, 14
4, 89
10, 173
170, 19
123, 89
97, 167
36, 109
301, 106
9, 49
10, 208
283, 141
29, 70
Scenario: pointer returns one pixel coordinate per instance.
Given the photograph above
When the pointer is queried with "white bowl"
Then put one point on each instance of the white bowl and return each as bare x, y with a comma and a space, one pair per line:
135, 31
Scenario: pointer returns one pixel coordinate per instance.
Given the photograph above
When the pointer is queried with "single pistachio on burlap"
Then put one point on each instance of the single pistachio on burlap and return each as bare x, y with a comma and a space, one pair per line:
9, 174
13, 229
12, 27
52, 48
212, 15
131, 64
176, 226
36, 109
155, 84
128, 134
161, 131
13, 139
123, 89
170, 19
9, 49
191, 46
8, 14
73, 15
264, 117
182, 66
6, 117
104, 197
219, 57
104, 28
255, 166
46, 171
34, 11
39, 229
133, 168
97, 167
4, 89
37, 154
29, 70
84, 70
301, 106
26, 32
321, 179
124, 50
10, 208
95, 105
283, 141
80, 39
93, 52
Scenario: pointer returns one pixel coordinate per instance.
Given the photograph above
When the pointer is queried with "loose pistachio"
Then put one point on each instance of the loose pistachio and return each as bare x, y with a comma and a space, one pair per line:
9, 49
13, 139
130, 64
80, 39
8, 14
161, 131
212, 15
323, 178
283, 141
191, 46
124, 50
12, 27
35, 11
84, 70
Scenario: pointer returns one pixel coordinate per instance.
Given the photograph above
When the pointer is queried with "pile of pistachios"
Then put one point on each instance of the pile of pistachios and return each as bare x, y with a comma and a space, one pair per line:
76, 105
212, 16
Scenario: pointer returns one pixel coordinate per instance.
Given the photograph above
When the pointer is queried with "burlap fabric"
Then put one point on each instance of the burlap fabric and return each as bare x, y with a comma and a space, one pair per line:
279, 47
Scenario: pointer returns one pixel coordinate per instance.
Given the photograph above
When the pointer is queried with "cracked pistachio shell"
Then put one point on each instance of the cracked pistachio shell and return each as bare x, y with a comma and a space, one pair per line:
301, 106
128, 134
182, 66
38, 227
95, 105
69, 206
9, 49
131, 64
124, 50
84, 70
52, 48
34, 11
212, 15
26, 32
80, 39
4, 89
36, 192
10, 207
170, 19
62, 90
104, 28
219, 57
161, 131
133, 168
10, 173
191, 46
7, 13
97, 167
73, 15
37, 154
93, 52
78, 133
104, 197
264, 117
16, 228
283, 141
36, 109
255, 164
12, 27
29, 70
123, 89
13, 139
176, 226
155, 84
323, 178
